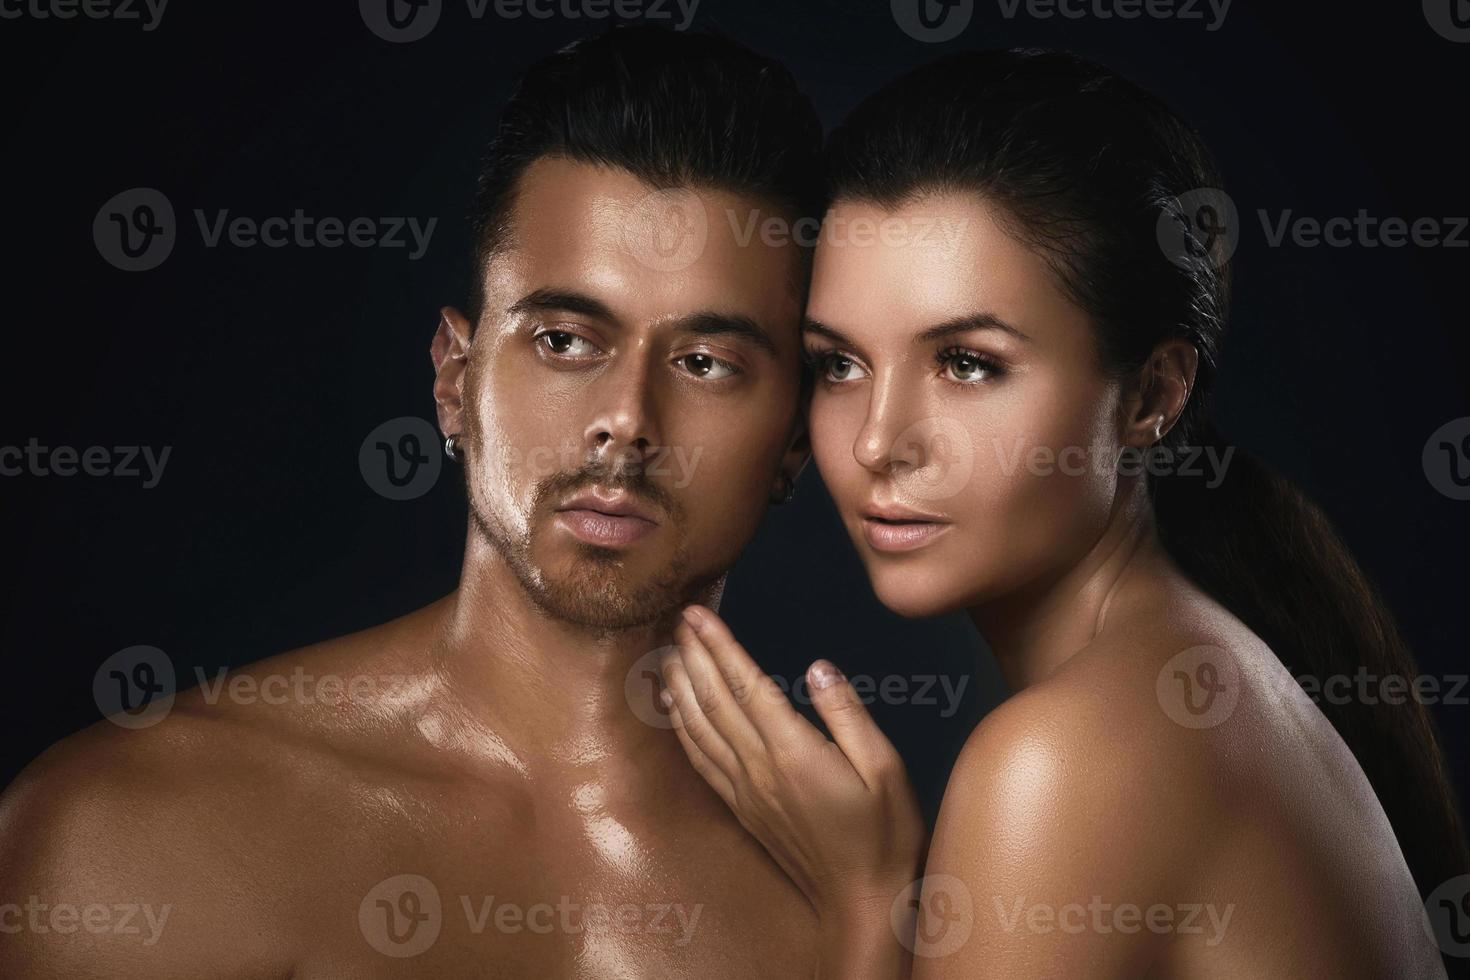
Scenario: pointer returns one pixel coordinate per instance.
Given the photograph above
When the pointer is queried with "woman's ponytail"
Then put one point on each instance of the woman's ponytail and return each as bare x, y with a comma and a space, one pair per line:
1269, 554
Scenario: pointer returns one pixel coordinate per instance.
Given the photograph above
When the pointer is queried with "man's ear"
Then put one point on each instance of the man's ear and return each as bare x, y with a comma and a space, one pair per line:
450, 352
1159, 393
798, 451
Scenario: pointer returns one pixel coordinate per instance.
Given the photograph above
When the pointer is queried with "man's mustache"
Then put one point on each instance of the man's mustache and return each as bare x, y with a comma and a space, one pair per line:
630, 477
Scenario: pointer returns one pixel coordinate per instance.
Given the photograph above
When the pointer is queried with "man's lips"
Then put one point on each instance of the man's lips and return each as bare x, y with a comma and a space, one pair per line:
607, 518
891, 527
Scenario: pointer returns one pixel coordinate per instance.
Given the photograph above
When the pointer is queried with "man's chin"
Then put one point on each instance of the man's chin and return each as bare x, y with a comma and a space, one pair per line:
610, 589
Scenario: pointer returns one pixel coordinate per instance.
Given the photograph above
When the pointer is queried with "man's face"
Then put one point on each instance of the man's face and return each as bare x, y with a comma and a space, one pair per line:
631, 391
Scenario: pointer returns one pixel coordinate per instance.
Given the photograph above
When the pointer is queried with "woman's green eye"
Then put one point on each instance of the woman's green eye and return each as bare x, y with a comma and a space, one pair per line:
965, 368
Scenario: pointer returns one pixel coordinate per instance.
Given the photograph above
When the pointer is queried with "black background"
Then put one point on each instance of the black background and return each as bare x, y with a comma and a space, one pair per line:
264, 369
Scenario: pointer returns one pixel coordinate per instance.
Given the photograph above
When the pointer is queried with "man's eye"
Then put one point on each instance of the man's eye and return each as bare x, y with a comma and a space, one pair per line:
707, 366
566, 343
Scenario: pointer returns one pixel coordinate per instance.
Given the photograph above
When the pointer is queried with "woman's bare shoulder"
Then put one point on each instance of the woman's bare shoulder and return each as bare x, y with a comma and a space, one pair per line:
1133, 736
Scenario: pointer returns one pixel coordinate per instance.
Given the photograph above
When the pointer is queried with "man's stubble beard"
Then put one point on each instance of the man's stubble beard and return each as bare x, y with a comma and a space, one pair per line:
593, 595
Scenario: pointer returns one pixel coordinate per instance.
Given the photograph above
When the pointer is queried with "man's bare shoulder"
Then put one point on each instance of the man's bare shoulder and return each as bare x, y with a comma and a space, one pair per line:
204, 810
284, 719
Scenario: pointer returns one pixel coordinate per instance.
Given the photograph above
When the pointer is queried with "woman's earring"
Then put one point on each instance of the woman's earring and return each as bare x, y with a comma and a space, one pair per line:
787, 491
451, 446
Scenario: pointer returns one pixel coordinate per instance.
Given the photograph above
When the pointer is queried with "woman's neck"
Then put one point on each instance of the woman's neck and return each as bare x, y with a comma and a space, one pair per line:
1034, 630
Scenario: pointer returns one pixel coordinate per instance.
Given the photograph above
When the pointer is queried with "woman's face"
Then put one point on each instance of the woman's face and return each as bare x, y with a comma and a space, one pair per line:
959, 418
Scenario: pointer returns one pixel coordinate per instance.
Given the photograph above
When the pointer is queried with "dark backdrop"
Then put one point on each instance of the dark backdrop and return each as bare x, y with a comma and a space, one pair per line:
263, 369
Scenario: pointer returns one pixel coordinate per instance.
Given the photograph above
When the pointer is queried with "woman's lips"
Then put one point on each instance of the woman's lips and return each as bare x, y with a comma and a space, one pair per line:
901, 536
606, 530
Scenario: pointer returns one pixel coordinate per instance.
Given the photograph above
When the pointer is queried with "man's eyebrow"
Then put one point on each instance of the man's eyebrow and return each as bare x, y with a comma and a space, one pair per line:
971, 321
709, 323
562, 300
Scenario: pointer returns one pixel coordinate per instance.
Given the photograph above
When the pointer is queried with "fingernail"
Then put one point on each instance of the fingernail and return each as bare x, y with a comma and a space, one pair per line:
825, 674
693, 618
666, 698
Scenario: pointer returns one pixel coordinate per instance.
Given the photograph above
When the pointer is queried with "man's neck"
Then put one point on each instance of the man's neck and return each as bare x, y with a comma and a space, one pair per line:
547, 697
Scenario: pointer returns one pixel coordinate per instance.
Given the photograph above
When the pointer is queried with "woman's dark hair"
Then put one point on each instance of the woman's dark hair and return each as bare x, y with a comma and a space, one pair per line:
673, 108
1104, 182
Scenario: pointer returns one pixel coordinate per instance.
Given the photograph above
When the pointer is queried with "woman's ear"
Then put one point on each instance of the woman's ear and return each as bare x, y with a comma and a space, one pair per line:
450, 352
1159, 393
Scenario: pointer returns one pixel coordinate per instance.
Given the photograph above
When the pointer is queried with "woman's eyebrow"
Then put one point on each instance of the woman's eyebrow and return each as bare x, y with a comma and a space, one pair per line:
808, 325
971, 321
959, 324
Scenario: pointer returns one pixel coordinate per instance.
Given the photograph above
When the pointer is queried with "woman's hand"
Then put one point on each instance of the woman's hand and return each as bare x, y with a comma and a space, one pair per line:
840, 817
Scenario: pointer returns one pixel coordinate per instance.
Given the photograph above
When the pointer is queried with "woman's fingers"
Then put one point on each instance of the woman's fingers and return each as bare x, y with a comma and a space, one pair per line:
852, 728
711, 773
764, 703
714, 698
692, 723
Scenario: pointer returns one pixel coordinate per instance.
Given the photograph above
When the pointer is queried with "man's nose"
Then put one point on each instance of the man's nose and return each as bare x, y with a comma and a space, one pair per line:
624, 427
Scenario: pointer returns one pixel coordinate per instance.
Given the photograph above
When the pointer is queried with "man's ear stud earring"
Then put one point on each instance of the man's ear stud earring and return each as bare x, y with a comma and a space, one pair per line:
451, 446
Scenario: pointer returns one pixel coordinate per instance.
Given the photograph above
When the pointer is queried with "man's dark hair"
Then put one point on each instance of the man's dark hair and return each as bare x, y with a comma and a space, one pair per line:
674, 109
